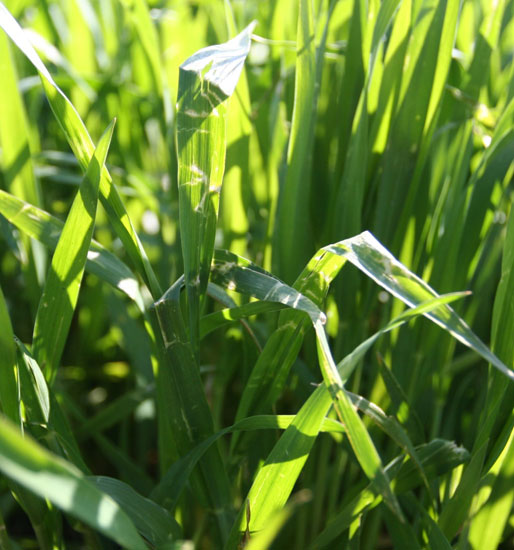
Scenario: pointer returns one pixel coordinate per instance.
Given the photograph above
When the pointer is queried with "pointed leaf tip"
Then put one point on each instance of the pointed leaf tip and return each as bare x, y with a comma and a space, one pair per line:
223, 62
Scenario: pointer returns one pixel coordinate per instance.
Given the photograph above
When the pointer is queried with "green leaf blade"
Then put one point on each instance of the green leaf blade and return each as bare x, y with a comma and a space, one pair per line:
9, 392
207, 79
83, 148
40, 225
48, 476
64, 278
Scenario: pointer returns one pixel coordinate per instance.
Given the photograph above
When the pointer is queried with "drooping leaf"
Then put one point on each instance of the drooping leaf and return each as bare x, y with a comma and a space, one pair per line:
374, 260
366, 253
50, 477
154, 523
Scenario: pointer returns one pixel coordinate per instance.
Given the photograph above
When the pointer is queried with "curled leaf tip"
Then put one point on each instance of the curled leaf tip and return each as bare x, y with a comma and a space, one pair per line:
221, 64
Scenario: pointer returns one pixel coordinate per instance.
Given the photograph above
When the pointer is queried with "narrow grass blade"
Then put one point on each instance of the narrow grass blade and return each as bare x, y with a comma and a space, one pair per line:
444, 59
240, 275
357, 56
43, 409
436, 537
83, 148
395, 116
63, 281
275, 480
417, 84
17, 165
14, 132
364, 40
218, 319
359, 437
154, 523
34, 390
168, 491
456, 509
437, 458
266, 537
489, 523
139, 14
348, 364
47, 229
48, 476
402, 406
185, 416
385, 16
496, 417
486, 532
366, 253
391, 81
435, 77
9, 389
236, 273
348, 203
270, 373
240, 167
376, 262
294, 235
391, 427
486, 43
172, 483
207, 79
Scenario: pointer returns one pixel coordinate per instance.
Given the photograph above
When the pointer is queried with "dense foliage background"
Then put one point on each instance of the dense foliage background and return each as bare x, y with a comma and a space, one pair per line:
395, 117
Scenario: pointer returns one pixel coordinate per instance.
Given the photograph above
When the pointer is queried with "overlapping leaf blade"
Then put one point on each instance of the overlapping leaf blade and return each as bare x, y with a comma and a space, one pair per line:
42, 409
62, 286
153, 522
16, 161
186, 419
366, 253
83, 148
207, 79
436, 457
294, 235
485, 531
269, 375
50, 477
421, 155
45, 228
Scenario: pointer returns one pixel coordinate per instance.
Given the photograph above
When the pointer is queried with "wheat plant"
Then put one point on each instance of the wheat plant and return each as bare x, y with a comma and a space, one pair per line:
184, 362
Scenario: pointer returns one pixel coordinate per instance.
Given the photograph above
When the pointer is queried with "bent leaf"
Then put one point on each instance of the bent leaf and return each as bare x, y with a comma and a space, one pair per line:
156, 524
50, 477
373, 259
